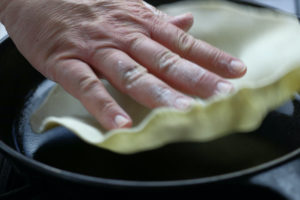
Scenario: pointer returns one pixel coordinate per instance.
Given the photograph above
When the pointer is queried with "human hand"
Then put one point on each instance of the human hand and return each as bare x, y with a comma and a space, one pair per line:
141, 51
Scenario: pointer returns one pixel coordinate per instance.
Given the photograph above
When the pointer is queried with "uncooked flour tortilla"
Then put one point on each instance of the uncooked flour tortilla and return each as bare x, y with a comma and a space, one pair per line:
267, 41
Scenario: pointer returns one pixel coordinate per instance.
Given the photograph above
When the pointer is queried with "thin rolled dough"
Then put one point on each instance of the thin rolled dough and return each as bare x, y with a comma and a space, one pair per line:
269, 44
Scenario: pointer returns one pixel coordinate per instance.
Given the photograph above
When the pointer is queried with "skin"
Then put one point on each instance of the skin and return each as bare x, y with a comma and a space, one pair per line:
141, 51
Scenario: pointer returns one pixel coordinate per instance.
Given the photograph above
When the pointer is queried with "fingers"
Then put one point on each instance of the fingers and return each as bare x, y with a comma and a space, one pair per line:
133, 79
179, 73
80, 81
198, 51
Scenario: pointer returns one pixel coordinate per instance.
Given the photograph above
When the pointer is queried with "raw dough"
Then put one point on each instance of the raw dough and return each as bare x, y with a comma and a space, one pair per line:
269, 44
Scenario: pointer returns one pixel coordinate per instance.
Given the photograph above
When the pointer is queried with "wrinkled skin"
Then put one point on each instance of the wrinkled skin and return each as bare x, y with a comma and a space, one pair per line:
141, 51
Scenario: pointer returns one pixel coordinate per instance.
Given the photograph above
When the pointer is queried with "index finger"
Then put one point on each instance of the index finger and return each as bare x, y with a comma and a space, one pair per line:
198, 51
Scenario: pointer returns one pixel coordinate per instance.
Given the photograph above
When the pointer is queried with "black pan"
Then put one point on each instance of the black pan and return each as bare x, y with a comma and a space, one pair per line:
264, 163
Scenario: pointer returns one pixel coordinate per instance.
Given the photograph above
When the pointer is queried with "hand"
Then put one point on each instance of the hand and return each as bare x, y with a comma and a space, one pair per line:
141, 51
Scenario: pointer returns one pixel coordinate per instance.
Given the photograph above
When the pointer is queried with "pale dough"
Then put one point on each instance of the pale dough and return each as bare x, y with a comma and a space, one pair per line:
269, 44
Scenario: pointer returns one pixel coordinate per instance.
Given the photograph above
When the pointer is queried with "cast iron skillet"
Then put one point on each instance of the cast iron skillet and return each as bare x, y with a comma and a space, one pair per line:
59, 163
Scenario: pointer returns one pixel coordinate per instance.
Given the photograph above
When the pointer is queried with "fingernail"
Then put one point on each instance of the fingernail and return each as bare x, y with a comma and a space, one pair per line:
237, 67
183, 103
224, 88
121, 121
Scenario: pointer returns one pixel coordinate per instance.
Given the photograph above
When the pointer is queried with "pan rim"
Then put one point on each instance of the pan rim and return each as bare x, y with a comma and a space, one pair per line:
97, 181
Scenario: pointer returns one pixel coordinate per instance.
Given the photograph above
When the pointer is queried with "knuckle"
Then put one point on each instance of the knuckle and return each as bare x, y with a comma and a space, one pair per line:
59, 70
142, 10
166, 60
149, 15
107, 106
162, 95
91, 94
88, 84
157, 25
185, 42
106, 53
66, 45
201, 79
132, 75
68, 40
137, 7
217, 57
129, 23
133, 40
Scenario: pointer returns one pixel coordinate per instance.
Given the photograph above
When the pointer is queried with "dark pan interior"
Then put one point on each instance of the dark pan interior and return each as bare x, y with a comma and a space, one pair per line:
60, 148
278, 135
